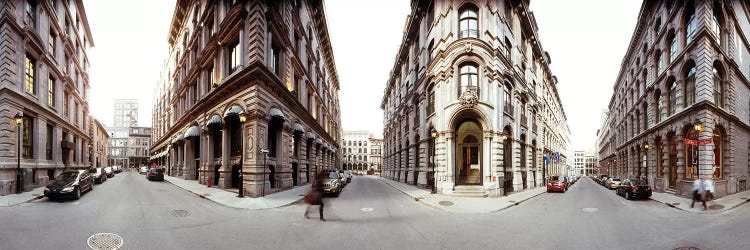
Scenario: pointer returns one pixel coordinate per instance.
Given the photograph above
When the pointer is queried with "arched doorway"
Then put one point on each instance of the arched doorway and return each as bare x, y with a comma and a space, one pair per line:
468, 153
672, 164
272, 176
508, 161
294, 174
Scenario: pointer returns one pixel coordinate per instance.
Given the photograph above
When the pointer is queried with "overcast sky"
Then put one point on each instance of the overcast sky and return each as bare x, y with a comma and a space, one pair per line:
586, 40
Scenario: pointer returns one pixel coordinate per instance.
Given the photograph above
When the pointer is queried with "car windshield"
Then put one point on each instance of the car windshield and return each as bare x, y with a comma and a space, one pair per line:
333, 175
615, 179
68, 176
638, 183
561, 178
554, 178
154, 171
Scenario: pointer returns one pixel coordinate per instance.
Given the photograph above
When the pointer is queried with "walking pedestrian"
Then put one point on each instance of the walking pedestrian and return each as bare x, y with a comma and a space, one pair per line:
697, 191
315, 197
708, 194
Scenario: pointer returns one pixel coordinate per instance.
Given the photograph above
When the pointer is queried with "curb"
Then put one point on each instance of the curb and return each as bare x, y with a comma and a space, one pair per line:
417, 199
246, 208
698, 212
517, 202
25, 201
443, 209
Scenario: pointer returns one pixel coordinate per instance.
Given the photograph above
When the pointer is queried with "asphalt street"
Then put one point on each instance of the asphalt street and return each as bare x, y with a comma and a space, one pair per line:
367, 215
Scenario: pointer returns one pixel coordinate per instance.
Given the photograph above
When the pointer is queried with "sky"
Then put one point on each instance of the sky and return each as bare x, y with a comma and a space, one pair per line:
586, 39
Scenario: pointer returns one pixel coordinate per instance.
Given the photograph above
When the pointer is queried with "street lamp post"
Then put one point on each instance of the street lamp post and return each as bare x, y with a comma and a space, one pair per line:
19, 178
243, 118
264, 151
698, 128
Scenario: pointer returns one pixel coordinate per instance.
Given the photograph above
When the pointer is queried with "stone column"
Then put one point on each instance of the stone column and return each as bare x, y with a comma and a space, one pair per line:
448, 165
189, 160
180, 158
412, 169
424, 163
225, 172
486, 159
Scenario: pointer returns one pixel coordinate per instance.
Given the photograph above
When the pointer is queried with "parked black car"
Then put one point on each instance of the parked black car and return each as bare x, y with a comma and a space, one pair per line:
631, 189
70, 184
98, 175
155, 174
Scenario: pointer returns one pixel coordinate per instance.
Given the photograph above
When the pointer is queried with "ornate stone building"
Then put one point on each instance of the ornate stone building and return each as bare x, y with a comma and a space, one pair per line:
471, 105
356, 150
681, 103
44, 80
243, 76
99, 144
375, 160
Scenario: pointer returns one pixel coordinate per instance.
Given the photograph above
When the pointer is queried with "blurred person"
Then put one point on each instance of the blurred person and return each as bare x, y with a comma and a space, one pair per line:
708, 194
315, 197
698, 189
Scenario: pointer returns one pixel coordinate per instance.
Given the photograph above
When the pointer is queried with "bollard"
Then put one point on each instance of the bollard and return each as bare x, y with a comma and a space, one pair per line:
208, 182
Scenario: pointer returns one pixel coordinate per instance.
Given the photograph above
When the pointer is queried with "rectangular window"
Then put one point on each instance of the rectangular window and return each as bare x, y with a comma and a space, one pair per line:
50, 141
65, 104
690, 30
672, 50
30, 75
275, 57
27, 137
51, 92
234, 59
31, 12
51, 41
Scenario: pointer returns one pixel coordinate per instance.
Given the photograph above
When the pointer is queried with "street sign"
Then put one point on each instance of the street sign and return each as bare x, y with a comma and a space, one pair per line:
698, 142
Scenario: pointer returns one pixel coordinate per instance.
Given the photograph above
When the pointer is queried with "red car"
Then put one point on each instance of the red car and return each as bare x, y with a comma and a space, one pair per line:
557, 183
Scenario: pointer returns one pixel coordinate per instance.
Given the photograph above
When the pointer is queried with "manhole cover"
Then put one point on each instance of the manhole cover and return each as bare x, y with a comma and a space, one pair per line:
590, 209
179, 213
368, 209
446, 203
716, 206
105, 241
687, 248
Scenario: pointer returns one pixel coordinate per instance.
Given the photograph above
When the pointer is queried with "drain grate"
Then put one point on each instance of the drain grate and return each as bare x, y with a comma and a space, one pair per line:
104, 241
687, 248
716, 207
446, 203
179, 213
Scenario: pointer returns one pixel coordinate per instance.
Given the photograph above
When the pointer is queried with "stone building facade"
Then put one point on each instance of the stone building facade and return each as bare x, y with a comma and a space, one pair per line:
243, 76
99, 144
45, 66
375, 160
356, 150
471, 105
681, 103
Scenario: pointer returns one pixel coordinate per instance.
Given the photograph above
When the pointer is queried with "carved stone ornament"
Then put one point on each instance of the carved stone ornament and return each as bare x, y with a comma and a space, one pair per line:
467, 47
469, 98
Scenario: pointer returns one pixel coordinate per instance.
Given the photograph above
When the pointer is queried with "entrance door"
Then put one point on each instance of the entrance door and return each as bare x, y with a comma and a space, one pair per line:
294, 174
468, 158
673, 170
235, 176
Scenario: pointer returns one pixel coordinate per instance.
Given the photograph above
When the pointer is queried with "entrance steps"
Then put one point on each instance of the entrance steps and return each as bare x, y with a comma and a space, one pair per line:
469, 191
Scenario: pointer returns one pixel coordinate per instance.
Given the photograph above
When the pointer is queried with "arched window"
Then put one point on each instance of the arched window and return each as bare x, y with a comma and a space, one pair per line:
690, 86
657, 106
671, 37
718, 140
691, 154
469, 77
715, 21
691, 23
431, 99
718, 88
672, 104
467, 21
660, 62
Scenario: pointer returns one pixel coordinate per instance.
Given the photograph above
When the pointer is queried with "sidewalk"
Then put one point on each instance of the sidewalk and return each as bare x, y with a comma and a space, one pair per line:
464, 204
230, 199
715, 206
15, 199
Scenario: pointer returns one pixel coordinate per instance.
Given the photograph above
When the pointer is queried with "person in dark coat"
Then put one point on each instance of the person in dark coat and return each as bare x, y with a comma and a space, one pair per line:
315, 197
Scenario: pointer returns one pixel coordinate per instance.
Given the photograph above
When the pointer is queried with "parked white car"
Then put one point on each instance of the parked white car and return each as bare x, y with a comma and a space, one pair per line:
613, 183
143, 170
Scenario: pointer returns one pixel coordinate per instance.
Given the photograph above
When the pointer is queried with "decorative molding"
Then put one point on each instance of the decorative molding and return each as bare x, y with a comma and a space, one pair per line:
469, 98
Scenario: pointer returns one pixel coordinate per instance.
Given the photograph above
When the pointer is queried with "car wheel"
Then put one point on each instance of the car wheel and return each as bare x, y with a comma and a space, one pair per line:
78, 193
627, 196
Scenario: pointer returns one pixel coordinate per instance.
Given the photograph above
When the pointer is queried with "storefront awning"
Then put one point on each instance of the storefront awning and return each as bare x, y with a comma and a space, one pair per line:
298, 129
276, 113
310, 135
177, 138
215, 121
234, 110
318, 141
193, 131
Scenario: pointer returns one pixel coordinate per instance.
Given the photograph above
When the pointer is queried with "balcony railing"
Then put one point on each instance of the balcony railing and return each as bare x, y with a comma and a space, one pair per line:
468, 33
524, 120
508, 109
470, 88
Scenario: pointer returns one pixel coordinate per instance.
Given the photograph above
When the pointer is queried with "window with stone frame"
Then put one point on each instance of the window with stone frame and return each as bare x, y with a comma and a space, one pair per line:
467, 21
51, 92
672, 97
689, 97
673, 49
27, 137
691, 22
50, 141
469, 77
31, 12
234, 57
718, 88
30, 76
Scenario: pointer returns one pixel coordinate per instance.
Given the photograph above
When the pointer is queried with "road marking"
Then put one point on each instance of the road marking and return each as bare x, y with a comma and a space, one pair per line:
590, 209
368, 209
